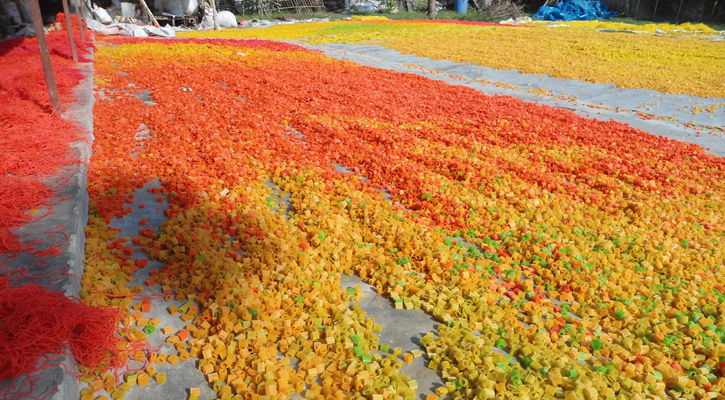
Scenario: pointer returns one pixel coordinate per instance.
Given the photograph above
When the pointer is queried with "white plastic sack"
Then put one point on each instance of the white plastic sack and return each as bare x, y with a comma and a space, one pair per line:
101, 15
180, 7
225, 19
11, 11
173, 7
24, 9
128, 10
191, 6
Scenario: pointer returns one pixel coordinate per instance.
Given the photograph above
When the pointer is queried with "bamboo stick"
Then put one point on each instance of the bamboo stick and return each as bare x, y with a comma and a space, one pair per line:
148, 11
636, 10
83, 13
44, 55
213, 6
69, 28
712, 15
80, 21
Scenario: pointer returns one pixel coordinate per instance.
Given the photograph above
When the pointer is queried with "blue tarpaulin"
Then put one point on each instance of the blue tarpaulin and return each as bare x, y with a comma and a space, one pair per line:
575, 10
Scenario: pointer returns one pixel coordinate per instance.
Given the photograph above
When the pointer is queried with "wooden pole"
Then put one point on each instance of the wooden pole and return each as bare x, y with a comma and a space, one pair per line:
712, 15
432, 9
148, 11
80, 21
83, 12
636, 10
69, 28
677, 19
44, 55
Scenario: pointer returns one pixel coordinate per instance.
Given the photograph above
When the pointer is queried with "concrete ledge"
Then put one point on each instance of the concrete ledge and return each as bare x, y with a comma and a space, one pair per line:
69, 216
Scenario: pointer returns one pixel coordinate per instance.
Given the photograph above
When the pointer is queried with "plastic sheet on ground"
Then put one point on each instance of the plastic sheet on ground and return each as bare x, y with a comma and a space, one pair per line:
583, 98
263, 23
130, 29
517, 21
575, 10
